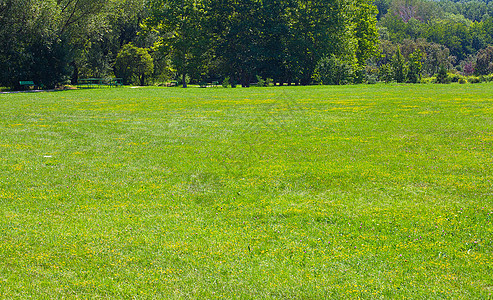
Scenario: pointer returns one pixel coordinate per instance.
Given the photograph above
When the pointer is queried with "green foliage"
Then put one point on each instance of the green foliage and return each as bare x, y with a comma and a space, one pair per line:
133, 64
484, 61
332, 70
442, 76
488, 78
31, 47
448, 34
182, 34
415, 66
261, 82
385, 73
399, 67
371, 74
283, 40
225, 82
105, 32
50, 40
46, 40
382, 7
365, 34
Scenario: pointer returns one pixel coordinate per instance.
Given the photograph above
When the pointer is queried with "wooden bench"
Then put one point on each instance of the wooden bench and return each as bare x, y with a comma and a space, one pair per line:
26, 83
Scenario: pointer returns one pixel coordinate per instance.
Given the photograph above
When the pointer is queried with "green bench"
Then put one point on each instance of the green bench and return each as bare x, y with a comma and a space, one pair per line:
26, 83
116, 82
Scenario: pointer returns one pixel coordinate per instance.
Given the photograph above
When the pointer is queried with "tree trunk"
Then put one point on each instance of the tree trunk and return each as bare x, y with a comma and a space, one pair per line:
183, 78
75, 75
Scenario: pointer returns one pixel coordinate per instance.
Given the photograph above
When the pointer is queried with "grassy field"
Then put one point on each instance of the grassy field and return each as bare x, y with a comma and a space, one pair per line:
381, 191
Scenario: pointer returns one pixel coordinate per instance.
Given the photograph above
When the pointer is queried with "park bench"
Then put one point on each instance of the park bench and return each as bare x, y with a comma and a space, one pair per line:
27, 83
116, 82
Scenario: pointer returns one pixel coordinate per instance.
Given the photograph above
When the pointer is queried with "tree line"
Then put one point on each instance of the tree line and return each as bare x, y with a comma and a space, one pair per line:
448, 36
56, 42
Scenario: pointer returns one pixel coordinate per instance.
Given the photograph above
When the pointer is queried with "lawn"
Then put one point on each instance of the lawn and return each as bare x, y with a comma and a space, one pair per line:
372, 191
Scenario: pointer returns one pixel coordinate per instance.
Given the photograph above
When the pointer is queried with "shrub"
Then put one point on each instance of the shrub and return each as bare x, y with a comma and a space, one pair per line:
225, 82
359, 75
385, 73
260, 82
427, 80
415, 66
442, 76
332, 70
454, 77
371, 79
486, 78
399, 67
474, 79
462, 80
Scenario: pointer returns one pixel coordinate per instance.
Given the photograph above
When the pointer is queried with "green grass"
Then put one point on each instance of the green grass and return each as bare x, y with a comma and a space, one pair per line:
381, 191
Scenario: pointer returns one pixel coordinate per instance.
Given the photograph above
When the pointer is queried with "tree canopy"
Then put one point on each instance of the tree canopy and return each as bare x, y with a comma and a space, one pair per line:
286, 41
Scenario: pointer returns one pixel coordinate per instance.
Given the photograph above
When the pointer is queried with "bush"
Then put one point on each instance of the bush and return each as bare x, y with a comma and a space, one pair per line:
371, 79
359, 75
426, 80
385, 73
399, 66
454, 77
415, 66
474, 79
261, 82
486, 78
442, 76
225, 82
371, 74
333, 71
462, 81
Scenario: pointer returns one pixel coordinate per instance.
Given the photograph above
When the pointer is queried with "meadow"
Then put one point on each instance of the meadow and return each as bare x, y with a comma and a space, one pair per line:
369, 191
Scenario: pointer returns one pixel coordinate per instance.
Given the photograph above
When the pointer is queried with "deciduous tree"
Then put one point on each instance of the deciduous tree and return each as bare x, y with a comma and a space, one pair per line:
133, 63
